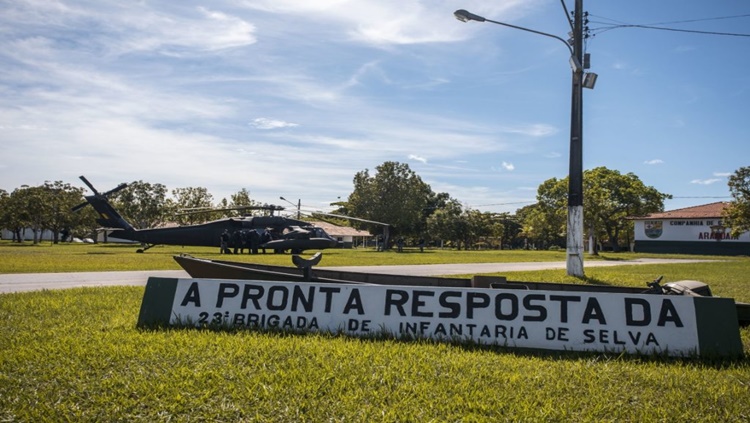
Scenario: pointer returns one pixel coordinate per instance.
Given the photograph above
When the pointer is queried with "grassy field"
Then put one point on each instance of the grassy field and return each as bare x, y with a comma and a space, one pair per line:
48, 257
76, 355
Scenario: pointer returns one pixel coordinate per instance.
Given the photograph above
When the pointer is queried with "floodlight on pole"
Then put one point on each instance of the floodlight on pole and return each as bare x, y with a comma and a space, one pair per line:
589, 80
574, 244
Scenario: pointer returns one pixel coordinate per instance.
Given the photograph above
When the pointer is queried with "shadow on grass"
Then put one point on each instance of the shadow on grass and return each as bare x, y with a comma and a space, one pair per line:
709, 361
394, 251
610, 258
15, 244
594, 281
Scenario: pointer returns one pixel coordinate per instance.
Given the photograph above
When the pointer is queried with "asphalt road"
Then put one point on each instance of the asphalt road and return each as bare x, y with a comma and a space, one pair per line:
22, 282
478, 268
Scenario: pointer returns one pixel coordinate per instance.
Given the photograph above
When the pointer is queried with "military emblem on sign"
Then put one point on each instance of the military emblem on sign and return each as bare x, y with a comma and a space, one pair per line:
653, 229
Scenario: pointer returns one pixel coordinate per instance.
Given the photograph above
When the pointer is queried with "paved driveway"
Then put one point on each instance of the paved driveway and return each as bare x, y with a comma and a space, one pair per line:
37, 281
478, 268
20, 282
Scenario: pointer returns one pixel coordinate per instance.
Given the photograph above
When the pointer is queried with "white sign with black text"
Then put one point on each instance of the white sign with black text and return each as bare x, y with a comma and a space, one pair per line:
551, 320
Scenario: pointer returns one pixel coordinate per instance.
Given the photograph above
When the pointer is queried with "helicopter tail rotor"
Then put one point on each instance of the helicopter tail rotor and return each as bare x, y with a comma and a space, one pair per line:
96, 193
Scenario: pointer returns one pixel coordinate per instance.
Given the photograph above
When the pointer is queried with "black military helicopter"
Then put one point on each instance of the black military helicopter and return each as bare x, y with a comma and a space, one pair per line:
277, 233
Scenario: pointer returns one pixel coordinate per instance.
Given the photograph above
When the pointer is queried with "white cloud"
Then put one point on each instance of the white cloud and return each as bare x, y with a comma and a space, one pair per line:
124, 27
394, 22
654, 162
264, 123
417, 158
370, 68
167, 92
180, 31
504, 166
705, 181
533, 130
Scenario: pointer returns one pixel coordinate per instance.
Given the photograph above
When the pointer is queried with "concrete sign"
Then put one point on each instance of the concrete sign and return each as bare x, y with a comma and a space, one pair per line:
550, 320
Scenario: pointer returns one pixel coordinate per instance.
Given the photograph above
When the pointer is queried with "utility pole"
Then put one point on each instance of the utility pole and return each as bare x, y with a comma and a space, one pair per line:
574, 244
299, 205
574, 263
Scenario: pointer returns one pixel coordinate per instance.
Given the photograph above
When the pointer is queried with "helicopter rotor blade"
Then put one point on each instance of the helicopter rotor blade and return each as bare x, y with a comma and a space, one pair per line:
198, 210
88, 184
80, 206
96, 193
341, 216
115, 189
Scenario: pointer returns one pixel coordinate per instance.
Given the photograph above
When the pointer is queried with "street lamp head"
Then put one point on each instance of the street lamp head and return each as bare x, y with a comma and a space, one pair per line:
464, 16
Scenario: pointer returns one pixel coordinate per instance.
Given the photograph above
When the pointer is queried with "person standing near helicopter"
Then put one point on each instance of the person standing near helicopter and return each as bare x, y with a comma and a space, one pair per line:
224, 242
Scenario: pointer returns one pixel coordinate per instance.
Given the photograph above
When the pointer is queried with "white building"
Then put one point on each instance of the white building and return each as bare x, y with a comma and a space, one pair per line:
692, 230
349, 236
28, 235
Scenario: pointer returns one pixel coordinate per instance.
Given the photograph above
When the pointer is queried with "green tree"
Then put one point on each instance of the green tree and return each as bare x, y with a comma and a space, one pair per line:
5, 211
512, 230
84, 223
737, 215
466, 228
58, 200
192, 198
394, 195
537, 230
435, 202
15, 216
609, 199
474, 227
242, 199
29, 206
44, 207
143, 204
446, 223
545, 222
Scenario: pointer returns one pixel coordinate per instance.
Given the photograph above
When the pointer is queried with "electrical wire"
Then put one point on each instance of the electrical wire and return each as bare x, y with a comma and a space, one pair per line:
726, 196
567, 15
655, 26
505, 204
692, 31
683, 21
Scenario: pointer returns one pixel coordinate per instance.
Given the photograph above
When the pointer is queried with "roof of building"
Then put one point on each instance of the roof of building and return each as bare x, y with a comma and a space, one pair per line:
335, 230
712, 210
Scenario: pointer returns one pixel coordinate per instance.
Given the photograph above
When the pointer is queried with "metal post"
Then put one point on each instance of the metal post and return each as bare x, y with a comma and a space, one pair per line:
299, 206
574, 263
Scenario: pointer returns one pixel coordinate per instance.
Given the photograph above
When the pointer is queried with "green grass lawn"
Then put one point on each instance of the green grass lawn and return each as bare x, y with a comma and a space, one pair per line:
48, 257
76, 355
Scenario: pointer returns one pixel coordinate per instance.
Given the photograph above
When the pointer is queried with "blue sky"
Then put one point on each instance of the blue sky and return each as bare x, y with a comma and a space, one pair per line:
292, 98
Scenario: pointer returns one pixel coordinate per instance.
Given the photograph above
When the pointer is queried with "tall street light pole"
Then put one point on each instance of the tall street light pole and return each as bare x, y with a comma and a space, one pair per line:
574, 258
299, 205
574, 262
